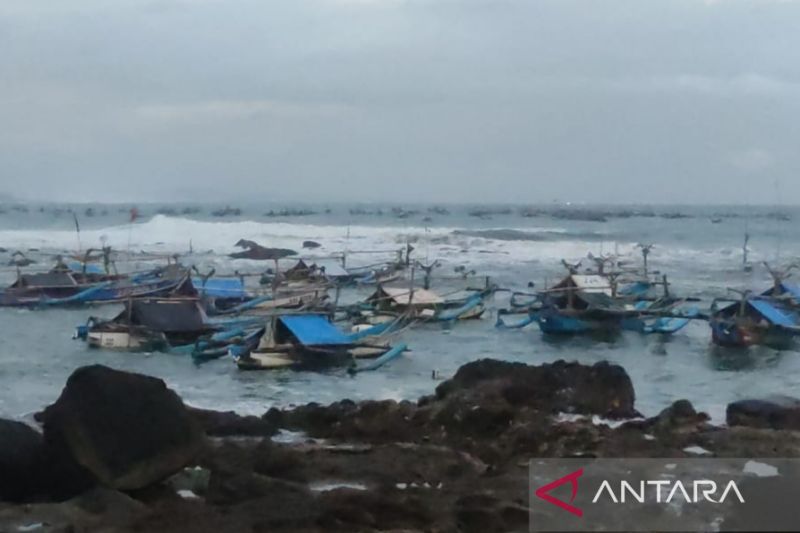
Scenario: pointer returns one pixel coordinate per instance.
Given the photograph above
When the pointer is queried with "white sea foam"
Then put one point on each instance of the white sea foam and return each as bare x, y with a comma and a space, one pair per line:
452, 246
171, 234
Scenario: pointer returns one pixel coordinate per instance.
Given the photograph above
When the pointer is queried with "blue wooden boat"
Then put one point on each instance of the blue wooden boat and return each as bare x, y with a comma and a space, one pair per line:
582, 304
664, 317
528, 318
388, 303
554, 321
391, 355
220, 344
523, 300
221, 294
755, 321
307, 341
62, 287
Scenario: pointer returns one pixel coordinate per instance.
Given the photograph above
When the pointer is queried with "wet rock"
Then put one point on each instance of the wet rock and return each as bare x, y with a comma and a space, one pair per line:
311, 244
490, 409
379, 421
779, 412
228, 423
100, 500
454, 461
281, 462
233, 488
483, 512
21, 461
676, 423
603, 389
379, 510
125, 430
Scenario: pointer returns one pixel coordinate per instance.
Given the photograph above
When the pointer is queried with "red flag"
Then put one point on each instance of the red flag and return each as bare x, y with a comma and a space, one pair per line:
134, 214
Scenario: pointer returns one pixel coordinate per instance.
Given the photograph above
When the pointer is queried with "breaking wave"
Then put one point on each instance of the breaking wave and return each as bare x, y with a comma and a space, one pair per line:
536, 235
491, 248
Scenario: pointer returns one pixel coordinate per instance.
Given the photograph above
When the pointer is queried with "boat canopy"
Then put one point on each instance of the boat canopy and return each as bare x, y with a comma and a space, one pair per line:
169, 316
46, 279
601, 301
89, 268
220, 287
792, 288
333, 269
313, 330
586, 283
772, 313
400, 296
592, 283
784, 289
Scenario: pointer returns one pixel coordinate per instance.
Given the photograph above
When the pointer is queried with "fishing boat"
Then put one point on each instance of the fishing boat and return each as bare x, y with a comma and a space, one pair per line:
580, 304
309, 341
220, 294
64, 287
149, 324
221, 343
311, 299
591, 303
387, 303
755, 320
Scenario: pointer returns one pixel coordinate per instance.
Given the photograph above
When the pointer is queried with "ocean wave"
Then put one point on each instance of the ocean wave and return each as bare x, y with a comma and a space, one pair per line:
532, 234
490, 249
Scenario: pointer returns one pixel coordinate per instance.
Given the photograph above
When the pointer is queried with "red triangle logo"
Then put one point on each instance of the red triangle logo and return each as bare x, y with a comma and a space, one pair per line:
543, 492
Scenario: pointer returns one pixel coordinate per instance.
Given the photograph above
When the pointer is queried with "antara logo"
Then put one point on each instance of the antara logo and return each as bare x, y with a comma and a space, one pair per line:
542, 492
665, 492
701, 490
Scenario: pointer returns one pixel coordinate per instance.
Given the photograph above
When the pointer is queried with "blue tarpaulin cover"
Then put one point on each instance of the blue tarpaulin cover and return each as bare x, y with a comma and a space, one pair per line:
90, 268
792, 289
314, 330
220, 287
773, 314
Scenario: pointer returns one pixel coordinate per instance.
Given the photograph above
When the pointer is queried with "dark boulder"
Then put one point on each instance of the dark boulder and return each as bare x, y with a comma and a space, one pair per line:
228, 423
21, 461
376, 421
779, 412
311, 244
602, 389
126, 430
680, 417
258, 252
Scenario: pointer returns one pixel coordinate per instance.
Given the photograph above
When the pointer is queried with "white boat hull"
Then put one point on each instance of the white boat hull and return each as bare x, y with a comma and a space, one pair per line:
116, 340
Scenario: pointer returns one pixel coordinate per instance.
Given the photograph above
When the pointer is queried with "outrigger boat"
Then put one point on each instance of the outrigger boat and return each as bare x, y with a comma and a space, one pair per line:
175, 325
771, 318
388, 303
311, 341
755, 320
64, 287
148, 324
594, 303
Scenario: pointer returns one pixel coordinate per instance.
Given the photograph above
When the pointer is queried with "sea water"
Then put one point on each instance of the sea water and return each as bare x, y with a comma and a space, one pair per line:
699, 248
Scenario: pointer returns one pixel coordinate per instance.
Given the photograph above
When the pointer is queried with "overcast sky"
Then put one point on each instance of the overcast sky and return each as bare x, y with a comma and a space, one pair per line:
684, 101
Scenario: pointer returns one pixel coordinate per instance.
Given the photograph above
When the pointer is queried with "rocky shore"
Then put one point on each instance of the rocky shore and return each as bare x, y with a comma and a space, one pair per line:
120, 452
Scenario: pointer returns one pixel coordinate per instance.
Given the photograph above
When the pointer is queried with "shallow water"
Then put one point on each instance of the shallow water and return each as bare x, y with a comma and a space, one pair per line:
702, 259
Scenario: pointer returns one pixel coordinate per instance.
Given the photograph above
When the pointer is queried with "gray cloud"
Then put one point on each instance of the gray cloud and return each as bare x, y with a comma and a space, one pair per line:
470, 100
